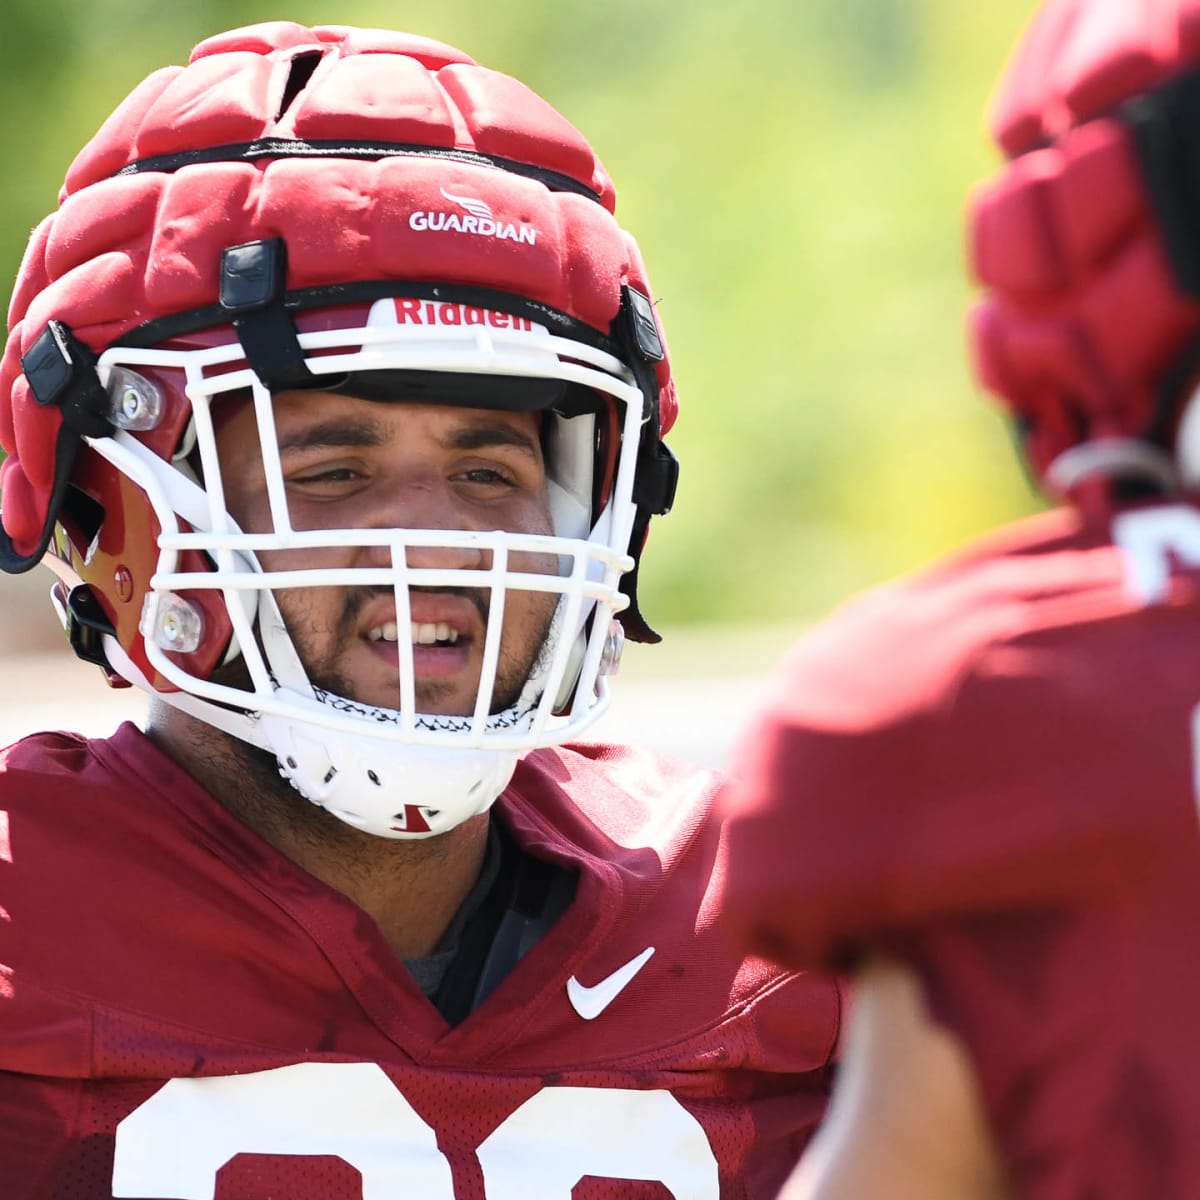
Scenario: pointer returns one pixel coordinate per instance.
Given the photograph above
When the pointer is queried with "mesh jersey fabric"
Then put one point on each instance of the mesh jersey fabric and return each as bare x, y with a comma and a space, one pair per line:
169, 975
987, 771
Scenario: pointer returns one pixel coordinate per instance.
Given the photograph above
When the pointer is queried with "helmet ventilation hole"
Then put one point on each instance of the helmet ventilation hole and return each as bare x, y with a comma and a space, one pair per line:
302, 68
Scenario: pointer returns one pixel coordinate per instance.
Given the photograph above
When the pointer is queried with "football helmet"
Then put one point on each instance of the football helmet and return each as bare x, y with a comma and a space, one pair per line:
360, 212
1087, 244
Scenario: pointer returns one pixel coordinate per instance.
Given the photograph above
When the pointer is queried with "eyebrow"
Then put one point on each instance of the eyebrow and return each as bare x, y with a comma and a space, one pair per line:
339, 434
485, 435
343, 434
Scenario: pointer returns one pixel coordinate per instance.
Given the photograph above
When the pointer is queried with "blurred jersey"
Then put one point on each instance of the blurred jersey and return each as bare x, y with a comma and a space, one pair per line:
988, 771
186, 1013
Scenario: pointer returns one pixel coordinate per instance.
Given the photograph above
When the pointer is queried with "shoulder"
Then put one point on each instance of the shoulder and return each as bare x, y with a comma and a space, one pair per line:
77, 810
975, 646
909, 646
643, 826
51, 754
932, 748
93, 826
606, 792
48, 767
43, 777
647, 837
73, 841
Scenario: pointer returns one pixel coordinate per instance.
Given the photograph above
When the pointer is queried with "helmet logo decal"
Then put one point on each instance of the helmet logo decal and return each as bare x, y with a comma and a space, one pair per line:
411, 819
407, 311
479, 220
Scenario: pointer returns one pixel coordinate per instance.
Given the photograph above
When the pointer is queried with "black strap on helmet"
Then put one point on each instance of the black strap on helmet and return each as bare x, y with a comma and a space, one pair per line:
61, 372
253, 283
341, 148
656, 475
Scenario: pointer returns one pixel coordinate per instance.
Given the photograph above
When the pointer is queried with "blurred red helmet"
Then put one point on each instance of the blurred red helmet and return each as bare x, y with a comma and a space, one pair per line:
1087, 242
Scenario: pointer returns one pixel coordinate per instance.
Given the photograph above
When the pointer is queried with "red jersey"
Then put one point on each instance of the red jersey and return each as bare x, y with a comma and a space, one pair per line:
184, 1012
989, 771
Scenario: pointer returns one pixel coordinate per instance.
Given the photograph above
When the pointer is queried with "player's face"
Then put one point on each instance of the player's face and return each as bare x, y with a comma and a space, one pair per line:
359, 464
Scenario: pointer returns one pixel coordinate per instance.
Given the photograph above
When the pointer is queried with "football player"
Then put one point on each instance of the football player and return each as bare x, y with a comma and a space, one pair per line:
334, 398
977, 787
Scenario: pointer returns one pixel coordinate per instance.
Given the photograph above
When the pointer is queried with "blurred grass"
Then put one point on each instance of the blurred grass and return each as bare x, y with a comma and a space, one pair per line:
795, 173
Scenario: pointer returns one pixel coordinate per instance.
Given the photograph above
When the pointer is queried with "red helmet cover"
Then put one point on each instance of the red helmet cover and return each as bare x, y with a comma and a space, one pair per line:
124, 249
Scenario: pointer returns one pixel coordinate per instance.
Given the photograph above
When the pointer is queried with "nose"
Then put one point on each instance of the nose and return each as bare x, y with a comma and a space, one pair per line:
416, 555
417, 509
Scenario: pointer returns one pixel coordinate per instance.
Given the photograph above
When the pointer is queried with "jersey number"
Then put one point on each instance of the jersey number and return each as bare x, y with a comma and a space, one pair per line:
1150, 539
174, 1144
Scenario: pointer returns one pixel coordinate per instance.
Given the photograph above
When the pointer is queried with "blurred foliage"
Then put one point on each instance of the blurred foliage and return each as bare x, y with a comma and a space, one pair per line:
795, 171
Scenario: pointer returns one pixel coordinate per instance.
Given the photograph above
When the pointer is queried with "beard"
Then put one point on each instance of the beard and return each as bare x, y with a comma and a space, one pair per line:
520, 650
270, 796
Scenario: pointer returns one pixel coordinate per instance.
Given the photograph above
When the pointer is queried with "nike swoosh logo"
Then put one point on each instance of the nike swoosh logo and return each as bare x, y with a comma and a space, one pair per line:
590, 1002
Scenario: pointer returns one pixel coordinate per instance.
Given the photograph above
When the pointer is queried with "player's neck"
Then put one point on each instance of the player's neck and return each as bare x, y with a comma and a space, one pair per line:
412, 889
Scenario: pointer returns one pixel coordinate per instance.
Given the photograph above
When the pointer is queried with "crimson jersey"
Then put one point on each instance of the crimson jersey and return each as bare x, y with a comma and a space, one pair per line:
989, 771
184, 1012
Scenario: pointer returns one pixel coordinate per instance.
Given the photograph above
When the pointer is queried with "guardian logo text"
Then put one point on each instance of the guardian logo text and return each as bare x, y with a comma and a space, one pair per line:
477, 218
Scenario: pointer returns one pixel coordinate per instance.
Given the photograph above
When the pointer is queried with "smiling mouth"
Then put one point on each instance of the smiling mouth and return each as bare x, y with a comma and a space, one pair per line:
440, 657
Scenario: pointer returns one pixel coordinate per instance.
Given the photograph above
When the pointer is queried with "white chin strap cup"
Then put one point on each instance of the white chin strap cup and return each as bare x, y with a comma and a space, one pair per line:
389, 789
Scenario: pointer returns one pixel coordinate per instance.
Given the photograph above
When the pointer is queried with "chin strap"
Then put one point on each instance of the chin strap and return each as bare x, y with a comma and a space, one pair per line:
383, 786
241, 725
372, 792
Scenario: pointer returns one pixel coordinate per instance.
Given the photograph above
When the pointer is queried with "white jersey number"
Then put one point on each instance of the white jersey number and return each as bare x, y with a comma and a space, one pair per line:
1150, 540
174, 1144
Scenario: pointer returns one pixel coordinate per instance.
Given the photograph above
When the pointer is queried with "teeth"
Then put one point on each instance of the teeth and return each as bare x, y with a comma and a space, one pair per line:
427, 634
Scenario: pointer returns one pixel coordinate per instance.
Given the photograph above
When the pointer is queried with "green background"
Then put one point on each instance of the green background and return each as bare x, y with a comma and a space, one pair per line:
795, 171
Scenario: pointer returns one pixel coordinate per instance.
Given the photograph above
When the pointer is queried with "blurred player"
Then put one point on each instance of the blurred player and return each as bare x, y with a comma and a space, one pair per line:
334, 398
977, 787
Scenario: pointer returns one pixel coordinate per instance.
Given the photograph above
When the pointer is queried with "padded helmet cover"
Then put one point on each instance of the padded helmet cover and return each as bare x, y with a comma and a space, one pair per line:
1085, 328
330, 138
